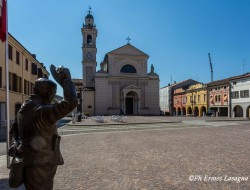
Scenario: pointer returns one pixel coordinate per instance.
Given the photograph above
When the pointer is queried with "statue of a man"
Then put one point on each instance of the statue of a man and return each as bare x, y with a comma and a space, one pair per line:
152, 70
35, 127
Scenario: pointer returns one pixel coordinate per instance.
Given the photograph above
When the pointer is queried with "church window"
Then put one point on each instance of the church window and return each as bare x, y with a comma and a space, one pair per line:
89, 39
128, 69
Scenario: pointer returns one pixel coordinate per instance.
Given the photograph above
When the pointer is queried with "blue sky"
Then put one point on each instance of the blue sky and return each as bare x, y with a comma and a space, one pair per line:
176, 34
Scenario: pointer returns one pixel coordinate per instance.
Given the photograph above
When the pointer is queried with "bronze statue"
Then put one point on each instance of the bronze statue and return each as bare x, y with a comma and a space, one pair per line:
33, 136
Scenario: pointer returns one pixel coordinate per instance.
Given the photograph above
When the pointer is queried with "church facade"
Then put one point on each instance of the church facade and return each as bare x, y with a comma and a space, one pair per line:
122, 85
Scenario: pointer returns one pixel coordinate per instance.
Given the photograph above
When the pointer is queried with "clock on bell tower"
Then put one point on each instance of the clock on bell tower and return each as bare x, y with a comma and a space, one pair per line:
89, 34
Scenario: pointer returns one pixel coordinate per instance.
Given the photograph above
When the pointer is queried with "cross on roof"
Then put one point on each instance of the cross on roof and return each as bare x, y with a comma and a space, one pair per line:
89, 9
128, 39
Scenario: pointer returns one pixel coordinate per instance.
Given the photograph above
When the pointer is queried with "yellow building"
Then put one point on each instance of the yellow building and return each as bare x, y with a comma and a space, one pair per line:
24, 69
196, 100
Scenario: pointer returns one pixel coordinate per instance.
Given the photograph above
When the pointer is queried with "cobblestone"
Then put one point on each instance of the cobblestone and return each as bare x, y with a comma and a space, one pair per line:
154, 159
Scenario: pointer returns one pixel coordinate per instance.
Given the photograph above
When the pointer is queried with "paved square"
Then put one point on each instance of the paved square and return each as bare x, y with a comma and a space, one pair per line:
156, 159
201, 157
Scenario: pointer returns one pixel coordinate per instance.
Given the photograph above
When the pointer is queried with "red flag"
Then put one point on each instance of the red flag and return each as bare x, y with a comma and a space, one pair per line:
3, 21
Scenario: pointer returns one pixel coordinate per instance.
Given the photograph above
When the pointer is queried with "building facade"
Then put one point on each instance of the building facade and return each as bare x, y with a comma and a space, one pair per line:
24, 69
218, 93
122, 85
167, 100
179, 106
240, 99
196, 100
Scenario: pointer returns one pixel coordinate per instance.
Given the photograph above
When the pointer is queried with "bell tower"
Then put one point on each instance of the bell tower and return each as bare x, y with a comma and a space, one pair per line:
89, 34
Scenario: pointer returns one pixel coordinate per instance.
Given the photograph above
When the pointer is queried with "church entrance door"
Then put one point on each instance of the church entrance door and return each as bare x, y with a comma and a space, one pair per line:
129, 106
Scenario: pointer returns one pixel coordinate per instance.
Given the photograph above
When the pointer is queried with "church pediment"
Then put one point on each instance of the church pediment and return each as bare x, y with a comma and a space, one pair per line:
131, 86
128, 50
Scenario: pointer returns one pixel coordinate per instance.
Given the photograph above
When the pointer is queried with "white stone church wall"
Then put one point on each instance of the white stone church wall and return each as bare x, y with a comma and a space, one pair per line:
88, 102
152, 98
101, 96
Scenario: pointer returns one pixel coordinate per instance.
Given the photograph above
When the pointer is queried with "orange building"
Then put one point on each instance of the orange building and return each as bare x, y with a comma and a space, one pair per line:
24, 69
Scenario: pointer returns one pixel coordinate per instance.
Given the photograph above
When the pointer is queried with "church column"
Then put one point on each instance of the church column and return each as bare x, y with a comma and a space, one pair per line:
113, 95
142, 99
122, 103
139, 105
110, 101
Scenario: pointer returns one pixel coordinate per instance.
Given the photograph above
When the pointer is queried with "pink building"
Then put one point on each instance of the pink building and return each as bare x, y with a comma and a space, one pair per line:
218, 97
179, 102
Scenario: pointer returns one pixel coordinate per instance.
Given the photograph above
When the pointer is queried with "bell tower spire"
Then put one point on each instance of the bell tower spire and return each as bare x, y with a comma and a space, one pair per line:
89, 34
89, 19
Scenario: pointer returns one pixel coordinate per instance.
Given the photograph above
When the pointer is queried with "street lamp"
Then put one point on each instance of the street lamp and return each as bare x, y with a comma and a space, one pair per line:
192, 101
79, 96
181, 105
79, 89
192, 107
79, 107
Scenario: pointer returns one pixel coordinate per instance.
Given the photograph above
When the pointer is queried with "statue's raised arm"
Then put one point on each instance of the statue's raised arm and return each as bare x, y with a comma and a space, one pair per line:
36, 123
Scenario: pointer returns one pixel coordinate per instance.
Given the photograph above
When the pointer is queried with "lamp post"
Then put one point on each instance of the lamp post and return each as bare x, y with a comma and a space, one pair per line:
192, 102
181, 106
79, 107
79, 96
79, 89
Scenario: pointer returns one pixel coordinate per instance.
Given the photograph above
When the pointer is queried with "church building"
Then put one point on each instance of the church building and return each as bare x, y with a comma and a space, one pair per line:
122, 85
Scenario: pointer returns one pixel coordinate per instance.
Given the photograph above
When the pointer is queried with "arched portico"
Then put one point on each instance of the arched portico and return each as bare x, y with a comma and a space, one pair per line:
173, 111
183, 111
196, 111
178, 111
248, 112
130, 102
238, 111
189, 110
203, 111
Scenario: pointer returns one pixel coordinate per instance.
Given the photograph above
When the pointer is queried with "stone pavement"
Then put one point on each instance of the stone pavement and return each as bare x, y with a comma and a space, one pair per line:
166, 155
2, 148
150, 119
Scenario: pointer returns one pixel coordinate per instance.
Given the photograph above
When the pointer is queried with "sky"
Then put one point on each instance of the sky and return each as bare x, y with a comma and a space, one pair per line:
176, 34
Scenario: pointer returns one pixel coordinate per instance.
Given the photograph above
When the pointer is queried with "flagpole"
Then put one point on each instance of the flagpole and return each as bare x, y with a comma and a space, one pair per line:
7, 89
